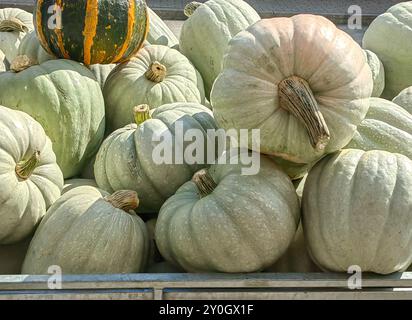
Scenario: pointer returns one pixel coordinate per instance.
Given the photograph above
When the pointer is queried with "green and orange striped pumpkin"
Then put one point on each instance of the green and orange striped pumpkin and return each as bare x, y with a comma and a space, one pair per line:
92, 31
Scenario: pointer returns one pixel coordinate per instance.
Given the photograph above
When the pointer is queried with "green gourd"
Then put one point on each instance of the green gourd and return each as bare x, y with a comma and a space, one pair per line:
159, 32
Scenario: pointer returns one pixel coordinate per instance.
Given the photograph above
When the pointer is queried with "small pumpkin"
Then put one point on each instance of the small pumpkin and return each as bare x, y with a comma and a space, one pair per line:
301, 81
390, 37
92, 32
75, 183
30, 178
12, 257
14, 24
296, 258
378, 73
159, 32
404, 99
357, 210
158, 75
223, 221
105, 235
220, 20
125, 159
387, 127
101, 72
66, 99
31, 47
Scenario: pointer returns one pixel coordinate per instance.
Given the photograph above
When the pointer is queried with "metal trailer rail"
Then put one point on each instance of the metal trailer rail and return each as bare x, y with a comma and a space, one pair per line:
262, 286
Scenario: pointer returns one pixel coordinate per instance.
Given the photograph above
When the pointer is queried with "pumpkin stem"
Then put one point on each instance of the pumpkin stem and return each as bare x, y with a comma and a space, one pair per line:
25, 168
191, 8
296, 97
141, 113
13, 24
125, 200
21, 63
157, 72
204, 182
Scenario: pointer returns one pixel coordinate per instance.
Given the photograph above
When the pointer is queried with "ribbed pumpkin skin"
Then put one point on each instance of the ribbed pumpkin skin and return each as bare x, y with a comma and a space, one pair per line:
66, 99
75, 183
387, 127
10, 40
12, 257
404, 99
24, 202
101, 238
92, 31
127, 86
101, 72
378, 73
246, 95
159, 32
125, 159
30, 47
357, 210
3, 62
220, 20
244, 225
390, 37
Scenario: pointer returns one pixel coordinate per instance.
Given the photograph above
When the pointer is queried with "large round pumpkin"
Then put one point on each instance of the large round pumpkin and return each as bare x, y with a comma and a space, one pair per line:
390, 37
223, 221
378, 73
387, 127
300, 81
14, 24
357, 210
159, 32
66, 99
158, 75
30, 47
208, 30
105, 235
92, 31
125, 159
12, 257
404, 99
30, 178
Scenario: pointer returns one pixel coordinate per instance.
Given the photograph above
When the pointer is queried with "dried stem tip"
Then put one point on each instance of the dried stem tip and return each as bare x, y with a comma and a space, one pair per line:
157, 72
204, 182
125, 200
25, 168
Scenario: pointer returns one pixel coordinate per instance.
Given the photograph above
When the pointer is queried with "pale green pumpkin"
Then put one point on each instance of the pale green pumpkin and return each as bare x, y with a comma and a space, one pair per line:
14, 24
105, 235
157, 75
208, 30
12, 257
75, 183
159, 32
30, 47
387, 127
126, 158
301, 81
357, 210
101, 72
390, 37
224, 221
66, 99
378, 73
30, 178
404, 99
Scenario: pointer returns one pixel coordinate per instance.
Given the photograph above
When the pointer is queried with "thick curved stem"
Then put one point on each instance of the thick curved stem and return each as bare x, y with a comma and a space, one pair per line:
141, 113
191, 7
157, 72
296, 96
21, 63
204, 182
125, 200
25, 168
13, 24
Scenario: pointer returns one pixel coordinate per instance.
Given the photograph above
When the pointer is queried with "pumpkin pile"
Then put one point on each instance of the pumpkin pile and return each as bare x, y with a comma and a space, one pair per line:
85, 96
